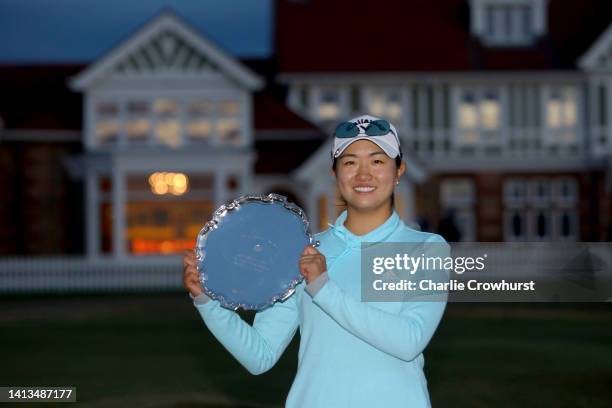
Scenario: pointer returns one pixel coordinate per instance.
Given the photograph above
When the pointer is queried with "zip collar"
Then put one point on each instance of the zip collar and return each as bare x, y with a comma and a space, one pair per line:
379, 234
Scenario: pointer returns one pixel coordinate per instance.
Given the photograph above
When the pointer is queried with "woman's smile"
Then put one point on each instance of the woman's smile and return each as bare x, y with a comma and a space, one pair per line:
364, 189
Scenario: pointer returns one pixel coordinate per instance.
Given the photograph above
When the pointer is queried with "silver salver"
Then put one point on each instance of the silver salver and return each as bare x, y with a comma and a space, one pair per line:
248, 254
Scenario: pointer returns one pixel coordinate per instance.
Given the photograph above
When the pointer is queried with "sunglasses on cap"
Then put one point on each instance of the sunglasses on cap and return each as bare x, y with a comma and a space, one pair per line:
378, 127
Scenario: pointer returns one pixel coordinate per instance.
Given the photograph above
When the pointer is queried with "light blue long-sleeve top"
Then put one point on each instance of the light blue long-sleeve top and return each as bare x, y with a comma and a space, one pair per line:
352, 353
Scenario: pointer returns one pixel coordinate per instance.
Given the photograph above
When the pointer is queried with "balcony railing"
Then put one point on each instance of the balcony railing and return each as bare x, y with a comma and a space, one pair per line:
506, 143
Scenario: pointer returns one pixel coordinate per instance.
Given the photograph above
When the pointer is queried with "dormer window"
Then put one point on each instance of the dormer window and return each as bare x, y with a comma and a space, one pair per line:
508, 23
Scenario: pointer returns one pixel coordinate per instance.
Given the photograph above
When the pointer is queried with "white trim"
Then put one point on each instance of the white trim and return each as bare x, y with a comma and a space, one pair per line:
182, 99
589, 60
118, 205
574, 226
537, 23
509, 163
104, 66
532, 224
92, 214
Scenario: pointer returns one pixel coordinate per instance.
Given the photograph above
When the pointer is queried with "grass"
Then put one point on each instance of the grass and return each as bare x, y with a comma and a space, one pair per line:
153, 350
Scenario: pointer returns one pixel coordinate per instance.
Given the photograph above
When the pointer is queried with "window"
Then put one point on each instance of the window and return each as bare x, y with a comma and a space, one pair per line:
168, 127
479, 115
515, 193
199, 114
107, 123
228, 122
138, 124
565, 192
562, 114
329, 105
508, 22
386, 103
539, 193
165, 211
167, 121
540, 209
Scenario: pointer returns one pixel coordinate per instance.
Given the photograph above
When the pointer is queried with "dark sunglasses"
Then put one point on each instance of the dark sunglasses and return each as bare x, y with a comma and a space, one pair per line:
379, 127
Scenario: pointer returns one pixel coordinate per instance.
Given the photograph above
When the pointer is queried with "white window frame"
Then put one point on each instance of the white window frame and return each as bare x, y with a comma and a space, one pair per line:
509, 227
552, 204
386, 93
557, 135
532, 224
479, 92
537, 24
533, 196
572, 199
183, 100
556, 219
318, 94
510, 186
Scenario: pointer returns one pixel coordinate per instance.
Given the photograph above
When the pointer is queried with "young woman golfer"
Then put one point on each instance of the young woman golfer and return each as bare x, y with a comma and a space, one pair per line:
352, 353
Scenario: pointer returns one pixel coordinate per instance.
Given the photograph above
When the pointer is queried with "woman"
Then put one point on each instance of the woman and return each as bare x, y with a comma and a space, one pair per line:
352, 353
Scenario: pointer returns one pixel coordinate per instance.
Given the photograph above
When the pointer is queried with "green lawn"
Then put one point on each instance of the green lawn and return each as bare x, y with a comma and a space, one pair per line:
153, 350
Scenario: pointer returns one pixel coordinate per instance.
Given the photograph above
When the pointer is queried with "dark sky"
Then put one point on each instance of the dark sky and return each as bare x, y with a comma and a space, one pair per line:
81, 30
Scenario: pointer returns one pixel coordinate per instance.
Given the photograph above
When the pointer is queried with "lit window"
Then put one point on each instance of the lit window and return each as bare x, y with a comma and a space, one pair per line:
329, 105
168, 127
479, 115
228, 122
228, 130
199, 121
468, 111
229, 108
107, 123
489, 107
386, 104
138, 124
562, 113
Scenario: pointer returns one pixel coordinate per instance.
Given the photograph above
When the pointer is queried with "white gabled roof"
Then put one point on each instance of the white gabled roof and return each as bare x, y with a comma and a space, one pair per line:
599, 55
166, 42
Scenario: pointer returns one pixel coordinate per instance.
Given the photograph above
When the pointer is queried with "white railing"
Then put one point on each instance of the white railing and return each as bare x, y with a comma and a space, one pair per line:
79, 274
506, 143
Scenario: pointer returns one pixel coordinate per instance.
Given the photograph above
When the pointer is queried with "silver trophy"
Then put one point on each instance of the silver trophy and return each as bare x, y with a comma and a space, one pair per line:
248, 254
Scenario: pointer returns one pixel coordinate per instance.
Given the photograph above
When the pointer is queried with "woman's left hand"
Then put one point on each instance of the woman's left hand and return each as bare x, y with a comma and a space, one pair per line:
312, 263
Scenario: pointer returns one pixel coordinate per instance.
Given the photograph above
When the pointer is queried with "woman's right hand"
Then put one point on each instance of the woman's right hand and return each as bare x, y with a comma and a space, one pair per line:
191, 276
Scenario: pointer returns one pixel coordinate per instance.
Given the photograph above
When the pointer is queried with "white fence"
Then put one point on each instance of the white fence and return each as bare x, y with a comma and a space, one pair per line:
79, 274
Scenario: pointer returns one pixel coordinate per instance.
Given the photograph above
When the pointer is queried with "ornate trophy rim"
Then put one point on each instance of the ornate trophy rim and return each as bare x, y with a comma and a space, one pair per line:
213, 224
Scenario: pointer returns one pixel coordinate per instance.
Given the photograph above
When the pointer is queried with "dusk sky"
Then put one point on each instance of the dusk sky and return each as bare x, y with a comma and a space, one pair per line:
81, 30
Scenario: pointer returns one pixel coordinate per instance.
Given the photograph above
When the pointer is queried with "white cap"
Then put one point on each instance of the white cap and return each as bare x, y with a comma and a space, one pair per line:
389, 142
